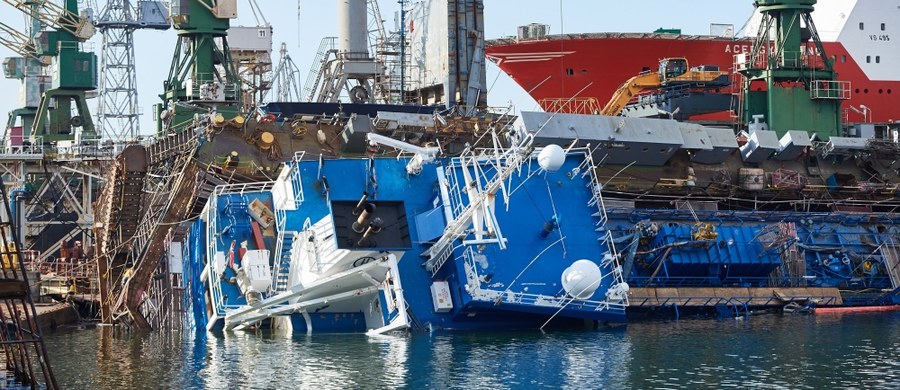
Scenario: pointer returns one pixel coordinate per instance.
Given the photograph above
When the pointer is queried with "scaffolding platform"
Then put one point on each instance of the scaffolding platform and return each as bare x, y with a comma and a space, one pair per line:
648, 297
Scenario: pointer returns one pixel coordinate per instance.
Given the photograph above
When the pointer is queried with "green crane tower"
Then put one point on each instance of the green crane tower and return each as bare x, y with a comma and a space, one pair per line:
73, 71
787, 80
202, 79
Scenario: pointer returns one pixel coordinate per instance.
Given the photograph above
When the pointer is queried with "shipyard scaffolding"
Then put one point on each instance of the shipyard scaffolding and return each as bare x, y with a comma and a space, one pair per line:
285, 80
26, 360
251, 52
344, 65
50, 160
118, 111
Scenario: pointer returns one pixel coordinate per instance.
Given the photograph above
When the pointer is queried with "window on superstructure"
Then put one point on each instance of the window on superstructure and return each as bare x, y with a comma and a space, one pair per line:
843, 59
570, 71
882, 27
861, 26
868, 59
877, 59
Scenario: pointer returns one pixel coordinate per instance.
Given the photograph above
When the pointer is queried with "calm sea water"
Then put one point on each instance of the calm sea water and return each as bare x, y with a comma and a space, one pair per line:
795, 352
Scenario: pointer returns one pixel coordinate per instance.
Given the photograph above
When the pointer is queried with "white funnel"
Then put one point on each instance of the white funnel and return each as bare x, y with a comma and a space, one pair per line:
353, 34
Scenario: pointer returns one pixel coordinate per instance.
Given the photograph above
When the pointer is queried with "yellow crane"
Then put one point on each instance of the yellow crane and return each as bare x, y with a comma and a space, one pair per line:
672, 72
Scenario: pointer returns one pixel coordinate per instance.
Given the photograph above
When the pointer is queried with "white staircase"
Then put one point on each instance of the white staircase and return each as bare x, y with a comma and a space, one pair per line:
318, 250
474, 167
282, 270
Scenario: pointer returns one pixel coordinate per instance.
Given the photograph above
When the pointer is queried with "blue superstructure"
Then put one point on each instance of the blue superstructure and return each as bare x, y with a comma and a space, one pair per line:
489, 239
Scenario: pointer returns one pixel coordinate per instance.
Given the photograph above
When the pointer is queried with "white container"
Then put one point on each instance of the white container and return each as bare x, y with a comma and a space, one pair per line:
440, 296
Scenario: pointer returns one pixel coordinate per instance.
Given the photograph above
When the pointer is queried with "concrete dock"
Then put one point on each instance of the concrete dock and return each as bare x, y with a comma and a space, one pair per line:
49, 315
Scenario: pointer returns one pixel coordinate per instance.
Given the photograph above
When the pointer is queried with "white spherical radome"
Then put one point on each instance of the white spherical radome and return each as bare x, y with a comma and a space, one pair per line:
551, 158
581, 279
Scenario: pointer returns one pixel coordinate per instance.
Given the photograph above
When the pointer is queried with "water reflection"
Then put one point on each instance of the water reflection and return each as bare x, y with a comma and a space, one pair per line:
790, 352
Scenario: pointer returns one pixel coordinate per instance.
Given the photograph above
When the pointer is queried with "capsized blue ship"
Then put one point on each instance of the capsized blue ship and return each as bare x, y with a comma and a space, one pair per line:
498, 238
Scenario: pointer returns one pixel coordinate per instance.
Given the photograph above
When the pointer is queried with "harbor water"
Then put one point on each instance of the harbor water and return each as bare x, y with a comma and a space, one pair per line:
770, 351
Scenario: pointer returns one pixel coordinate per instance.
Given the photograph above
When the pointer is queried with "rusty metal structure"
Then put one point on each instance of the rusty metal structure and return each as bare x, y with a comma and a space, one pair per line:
120, 207
24, 354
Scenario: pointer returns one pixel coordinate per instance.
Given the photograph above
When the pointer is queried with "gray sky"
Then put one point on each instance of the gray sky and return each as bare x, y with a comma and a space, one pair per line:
317, 19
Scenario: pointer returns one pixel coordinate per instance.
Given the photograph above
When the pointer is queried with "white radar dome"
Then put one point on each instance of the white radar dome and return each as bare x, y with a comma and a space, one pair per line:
551, 158
581, 279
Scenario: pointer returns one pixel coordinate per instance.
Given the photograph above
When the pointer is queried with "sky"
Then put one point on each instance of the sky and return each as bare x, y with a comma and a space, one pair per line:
317, 19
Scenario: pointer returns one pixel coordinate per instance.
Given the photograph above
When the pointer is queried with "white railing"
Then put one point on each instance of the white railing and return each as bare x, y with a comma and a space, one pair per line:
214, 283
280, 225
295, 178
597, 201
480, 185
830, 89
523, 298
242, 188
281, 215
22, 145
326, 251
786, 59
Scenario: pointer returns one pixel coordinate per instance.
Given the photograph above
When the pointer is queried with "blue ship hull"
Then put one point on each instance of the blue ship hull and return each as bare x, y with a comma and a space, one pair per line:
497, 239
503, 270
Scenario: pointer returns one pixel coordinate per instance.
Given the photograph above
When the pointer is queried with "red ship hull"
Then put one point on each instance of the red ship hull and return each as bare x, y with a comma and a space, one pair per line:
595, 65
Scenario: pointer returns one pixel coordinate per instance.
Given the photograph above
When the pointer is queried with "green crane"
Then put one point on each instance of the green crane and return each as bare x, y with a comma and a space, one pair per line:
72, 71
202, 78
787, 80
28, 69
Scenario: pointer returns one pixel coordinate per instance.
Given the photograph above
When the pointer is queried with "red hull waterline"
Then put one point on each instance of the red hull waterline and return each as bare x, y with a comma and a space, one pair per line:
595, 65
860, 309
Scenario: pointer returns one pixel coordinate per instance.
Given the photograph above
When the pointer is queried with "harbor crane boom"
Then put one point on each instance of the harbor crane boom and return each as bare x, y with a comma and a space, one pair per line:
56, 16
17, 41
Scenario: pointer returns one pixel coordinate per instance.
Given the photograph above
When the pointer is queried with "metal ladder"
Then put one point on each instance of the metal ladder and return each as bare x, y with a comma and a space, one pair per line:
892, 268
326, 47
891, 263
283, 262
438, 254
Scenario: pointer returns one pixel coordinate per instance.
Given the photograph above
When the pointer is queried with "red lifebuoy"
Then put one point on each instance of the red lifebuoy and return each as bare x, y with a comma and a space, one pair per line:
268, 118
